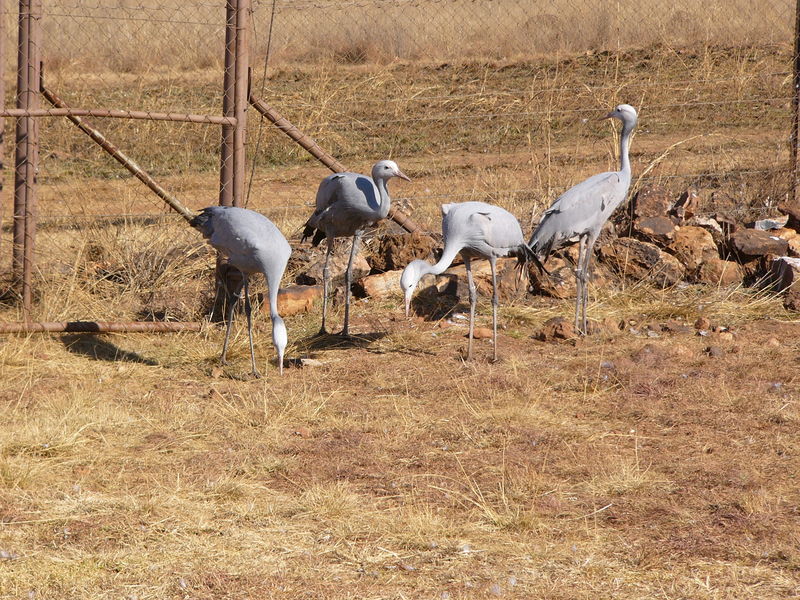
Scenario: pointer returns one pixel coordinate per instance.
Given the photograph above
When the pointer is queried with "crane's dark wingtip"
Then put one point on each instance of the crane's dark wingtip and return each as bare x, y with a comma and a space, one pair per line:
201, 221
527, 255
316, 235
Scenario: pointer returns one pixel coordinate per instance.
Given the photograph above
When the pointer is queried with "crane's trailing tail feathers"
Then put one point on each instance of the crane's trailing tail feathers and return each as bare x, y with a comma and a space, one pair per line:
309, 231
526, 255
202, 222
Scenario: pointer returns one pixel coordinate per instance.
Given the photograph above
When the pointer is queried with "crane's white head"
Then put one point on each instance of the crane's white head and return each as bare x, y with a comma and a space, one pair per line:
385, 169
410, 278
625, 113
279, 339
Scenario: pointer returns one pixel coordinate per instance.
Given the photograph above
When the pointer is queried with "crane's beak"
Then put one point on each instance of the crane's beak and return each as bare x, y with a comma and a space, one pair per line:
408, 302
608, 116
402, 175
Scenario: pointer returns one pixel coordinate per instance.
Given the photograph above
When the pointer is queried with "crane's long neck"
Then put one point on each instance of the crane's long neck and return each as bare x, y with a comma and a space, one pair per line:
279, 334
624, 144
448, 256
385, 201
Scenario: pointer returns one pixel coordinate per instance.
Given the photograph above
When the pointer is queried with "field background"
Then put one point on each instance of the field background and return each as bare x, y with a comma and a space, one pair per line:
623, 466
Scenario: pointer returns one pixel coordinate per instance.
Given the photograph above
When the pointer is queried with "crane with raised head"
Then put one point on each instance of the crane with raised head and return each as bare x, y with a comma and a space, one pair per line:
580, 213
347, 203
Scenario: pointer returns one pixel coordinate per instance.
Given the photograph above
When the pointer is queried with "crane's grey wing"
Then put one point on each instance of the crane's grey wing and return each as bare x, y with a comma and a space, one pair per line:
580, 209
589, 196
499, 229
249, 239
327, 196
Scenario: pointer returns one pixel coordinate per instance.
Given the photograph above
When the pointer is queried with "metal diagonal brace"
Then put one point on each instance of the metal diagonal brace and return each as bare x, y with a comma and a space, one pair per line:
120, 157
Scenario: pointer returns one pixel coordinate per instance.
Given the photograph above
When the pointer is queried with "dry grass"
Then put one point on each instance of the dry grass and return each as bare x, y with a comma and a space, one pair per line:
395, 470
622, 466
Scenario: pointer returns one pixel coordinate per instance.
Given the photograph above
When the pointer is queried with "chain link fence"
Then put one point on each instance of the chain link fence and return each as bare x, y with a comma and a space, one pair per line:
487, 99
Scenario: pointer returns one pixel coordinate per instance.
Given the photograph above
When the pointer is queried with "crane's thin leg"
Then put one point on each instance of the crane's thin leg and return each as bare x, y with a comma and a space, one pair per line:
248, 310
229, 321
579, 283
348, 277
326, 276
472, 301
495, 302
587, 276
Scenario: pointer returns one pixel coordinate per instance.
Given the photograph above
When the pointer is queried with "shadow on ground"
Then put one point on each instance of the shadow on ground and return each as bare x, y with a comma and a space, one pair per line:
96, 348
333, 341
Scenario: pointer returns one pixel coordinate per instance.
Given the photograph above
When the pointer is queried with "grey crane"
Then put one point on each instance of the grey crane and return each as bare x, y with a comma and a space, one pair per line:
581, 212
253, 244
476, 230
346, 204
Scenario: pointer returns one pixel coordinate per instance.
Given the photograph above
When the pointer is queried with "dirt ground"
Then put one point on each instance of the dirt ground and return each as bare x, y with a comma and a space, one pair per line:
634, 463
653, 459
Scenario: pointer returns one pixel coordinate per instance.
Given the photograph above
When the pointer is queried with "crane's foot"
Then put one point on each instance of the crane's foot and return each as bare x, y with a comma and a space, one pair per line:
322, 332
256, 374
345, 335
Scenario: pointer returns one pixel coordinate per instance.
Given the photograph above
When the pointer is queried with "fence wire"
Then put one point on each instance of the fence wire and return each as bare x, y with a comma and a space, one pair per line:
478, 99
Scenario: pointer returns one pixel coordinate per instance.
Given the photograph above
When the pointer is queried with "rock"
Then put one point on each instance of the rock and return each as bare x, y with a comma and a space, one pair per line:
785, 233
791, 300
793, 212
310, 362
294, 299
727, 222
382, 285
702, 323
510, 285
648, 354
722, 273
673, 326
651, 201
792, 237
715, 351
312, 275
693, 246
749, 244
642, 261
395, 251
608, 233
658, 230
686, 206
710, 225
559, 281
785, 273
771, 224
481, 333
557, 328
724, 336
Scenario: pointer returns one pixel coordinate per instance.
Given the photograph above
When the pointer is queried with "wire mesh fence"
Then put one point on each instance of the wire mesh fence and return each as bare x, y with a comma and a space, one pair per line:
492, 100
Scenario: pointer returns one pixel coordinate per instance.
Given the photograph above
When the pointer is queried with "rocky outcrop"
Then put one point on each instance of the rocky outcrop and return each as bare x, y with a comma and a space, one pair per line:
642, 261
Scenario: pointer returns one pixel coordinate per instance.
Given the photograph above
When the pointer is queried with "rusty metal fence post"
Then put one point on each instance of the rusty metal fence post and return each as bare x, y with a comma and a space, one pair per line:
234, 103
27, 150
233, 145
795, 109
242, 72
228, 78
2, 107
21, 135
